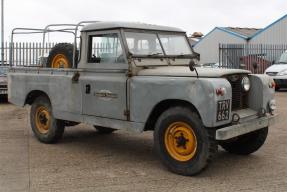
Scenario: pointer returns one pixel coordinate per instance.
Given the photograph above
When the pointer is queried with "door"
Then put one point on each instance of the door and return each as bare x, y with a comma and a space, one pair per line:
104, 84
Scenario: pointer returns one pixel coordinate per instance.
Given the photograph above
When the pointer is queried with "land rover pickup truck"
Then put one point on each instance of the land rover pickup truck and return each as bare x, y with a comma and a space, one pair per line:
141, 77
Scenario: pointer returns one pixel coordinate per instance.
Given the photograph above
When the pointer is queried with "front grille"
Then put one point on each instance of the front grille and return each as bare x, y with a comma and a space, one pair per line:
271, 73
239, 96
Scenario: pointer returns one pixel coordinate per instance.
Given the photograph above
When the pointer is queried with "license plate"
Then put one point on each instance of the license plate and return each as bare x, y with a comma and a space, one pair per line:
223, 110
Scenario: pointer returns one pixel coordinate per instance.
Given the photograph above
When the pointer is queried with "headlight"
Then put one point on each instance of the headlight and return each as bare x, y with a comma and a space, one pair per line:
284, 72
245, 83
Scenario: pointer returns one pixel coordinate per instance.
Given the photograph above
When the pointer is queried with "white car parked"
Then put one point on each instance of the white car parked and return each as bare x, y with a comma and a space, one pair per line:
278, 71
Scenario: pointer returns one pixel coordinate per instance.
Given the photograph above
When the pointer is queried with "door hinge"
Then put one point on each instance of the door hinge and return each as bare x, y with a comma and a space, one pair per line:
127, 114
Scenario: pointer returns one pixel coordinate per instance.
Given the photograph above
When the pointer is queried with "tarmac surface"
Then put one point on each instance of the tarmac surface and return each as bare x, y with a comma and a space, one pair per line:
87, 161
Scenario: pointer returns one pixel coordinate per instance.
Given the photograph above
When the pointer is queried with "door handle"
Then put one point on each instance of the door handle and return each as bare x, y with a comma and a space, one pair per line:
88, 89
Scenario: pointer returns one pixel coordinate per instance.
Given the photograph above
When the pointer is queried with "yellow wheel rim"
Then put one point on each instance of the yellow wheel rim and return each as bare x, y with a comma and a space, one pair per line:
43, 119
60, 61
180, 141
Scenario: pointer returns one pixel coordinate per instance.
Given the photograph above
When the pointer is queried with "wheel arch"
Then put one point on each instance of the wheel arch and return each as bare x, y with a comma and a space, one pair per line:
163, 106
32, 95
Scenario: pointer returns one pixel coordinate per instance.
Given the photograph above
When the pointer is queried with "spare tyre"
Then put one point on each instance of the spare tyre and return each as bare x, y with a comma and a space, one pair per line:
61, 56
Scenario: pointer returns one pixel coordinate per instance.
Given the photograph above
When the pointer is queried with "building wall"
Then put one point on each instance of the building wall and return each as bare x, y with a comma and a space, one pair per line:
275, 33
208, 46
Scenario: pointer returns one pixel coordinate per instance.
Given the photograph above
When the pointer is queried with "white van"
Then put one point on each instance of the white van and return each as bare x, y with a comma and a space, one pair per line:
278, 71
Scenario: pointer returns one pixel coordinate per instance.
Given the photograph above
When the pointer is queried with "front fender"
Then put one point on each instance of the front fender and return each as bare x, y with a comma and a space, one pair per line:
146, 92
260, 92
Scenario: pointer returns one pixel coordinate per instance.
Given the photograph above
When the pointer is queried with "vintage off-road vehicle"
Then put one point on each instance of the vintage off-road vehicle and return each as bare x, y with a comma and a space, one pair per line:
140, 77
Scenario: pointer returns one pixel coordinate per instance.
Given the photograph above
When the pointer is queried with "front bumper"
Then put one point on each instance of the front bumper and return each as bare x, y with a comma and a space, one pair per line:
245, 127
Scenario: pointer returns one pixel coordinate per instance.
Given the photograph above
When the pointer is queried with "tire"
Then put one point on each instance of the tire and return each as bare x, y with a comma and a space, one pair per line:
183, 144
46, 128
246, 144
104, 130
61, 56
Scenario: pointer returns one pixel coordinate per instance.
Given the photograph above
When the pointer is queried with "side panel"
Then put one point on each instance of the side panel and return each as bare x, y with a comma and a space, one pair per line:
146, 92
104, 95
64, 95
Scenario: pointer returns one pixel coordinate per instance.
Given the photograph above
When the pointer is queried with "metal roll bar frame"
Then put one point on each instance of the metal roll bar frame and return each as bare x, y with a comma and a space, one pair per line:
66, 28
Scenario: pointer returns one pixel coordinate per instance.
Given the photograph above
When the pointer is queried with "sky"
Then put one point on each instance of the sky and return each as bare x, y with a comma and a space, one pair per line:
189, 15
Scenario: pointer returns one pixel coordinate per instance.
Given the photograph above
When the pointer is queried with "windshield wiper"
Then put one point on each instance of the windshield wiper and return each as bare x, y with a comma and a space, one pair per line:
282, 62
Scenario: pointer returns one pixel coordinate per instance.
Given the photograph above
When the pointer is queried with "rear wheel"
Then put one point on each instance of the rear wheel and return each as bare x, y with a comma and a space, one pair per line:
104, 130
183, 144
46, 128
246, 144
61, 56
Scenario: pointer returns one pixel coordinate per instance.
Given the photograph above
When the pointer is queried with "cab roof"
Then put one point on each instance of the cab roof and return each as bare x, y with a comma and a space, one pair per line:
101, 25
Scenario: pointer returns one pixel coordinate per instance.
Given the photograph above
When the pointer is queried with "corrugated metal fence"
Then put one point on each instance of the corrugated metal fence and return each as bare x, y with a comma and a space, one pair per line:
253, 57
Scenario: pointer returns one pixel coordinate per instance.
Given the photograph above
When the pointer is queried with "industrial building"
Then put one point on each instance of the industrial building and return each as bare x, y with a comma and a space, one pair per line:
208, 46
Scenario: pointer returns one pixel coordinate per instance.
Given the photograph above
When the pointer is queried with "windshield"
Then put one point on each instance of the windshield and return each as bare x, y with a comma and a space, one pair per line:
283, 58
152, 44
175, 45
143, 43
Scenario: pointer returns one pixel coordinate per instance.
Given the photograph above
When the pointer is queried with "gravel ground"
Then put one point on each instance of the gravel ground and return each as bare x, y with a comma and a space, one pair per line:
87, 161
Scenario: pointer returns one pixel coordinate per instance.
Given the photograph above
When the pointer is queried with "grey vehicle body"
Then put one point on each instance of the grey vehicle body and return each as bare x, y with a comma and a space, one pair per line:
130, 95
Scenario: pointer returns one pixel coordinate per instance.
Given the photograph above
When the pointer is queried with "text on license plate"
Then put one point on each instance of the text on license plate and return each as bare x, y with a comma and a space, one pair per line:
223, 110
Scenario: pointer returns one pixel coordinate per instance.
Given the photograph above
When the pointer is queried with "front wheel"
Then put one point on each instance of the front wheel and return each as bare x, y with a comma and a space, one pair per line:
246, 144
183, 144
46, 128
